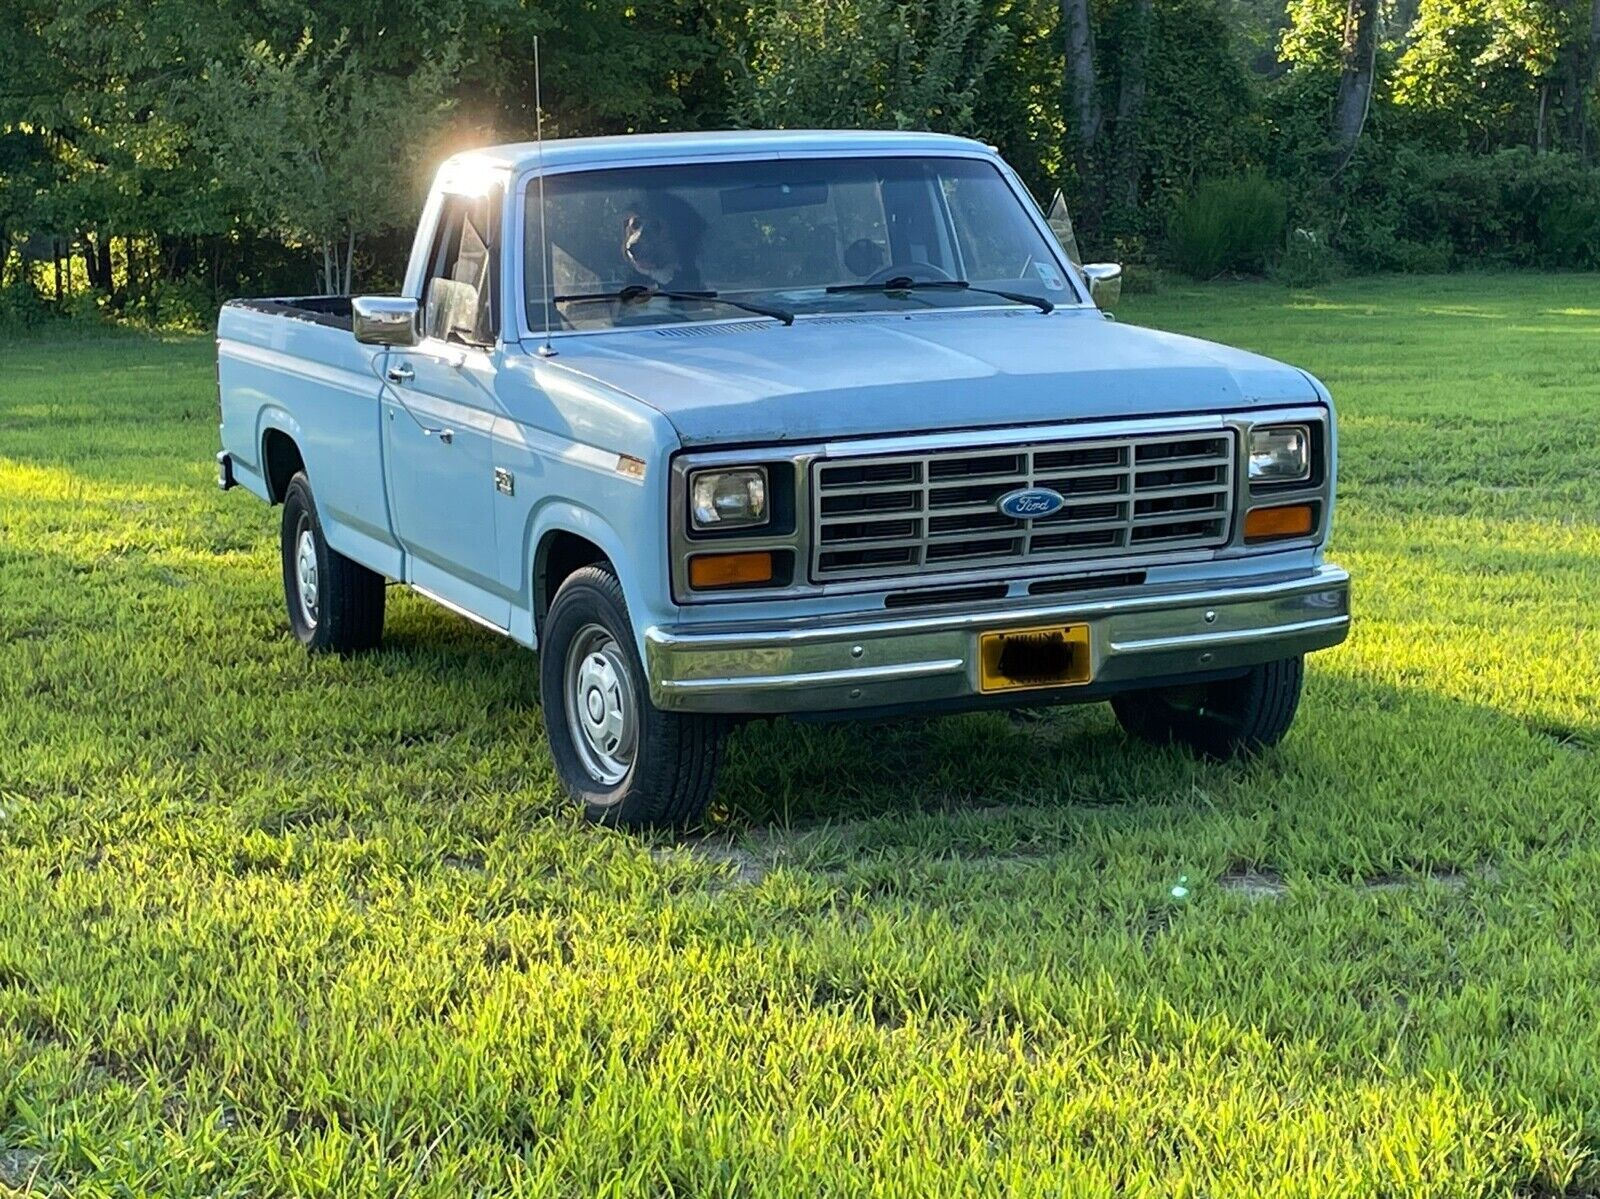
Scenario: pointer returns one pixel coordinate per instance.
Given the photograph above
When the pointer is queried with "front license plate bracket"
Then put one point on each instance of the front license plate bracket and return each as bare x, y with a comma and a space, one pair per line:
1034, 658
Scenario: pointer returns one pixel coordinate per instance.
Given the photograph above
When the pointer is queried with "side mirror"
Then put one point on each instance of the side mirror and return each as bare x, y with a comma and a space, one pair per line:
1105, 283
384, 320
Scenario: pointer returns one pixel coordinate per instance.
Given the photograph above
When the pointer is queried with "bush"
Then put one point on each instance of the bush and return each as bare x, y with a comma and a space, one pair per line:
1412, 211
1228, 225
21, 306
1308, 259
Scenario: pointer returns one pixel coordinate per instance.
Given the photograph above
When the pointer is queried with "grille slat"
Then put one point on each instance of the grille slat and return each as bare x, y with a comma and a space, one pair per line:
905, 514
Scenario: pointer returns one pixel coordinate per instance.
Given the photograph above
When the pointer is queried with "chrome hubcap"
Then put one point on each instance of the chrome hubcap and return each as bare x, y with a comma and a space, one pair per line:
601, 709
305, 569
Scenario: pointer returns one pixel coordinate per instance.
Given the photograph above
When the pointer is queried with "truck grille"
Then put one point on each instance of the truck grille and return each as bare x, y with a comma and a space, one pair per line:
913, 513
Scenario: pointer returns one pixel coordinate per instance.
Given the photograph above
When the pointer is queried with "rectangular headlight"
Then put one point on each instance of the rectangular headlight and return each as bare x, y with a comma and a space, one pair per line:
1280, 453
728, 499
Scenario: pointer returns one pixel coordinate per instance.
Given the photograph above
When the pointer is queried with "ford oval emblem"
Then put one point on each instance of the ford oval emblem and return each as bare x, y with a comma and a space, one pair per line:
1031, 502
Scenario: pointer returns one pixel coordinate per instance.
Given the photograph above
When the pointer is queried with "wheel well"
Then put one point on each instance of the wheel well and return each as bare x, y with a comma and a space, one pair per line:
561, 553
280, 461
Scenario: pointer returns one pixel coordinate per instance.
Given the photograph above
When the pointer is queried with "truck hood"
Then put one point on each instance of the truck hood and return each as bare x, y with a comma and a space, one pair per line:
827, 378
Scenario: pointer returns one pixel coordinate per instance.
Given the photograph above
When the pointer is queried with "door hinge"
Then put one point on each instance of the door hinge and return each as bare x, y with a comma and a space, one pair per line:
503, 482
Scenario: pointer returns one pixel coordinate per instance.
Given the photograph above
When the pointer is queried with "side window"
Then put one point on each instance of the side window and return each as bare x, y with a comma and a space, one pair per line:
458, 300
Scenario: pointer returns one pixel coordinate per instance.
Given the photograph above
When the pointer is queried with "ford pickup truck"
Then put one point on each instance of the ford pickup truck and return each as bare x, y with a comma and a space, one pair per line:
819, 424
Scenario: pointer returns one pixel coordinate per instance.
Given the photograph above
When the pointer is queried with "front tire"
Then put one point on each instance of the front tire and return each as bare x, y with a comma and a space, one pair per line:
335, 604
628, 762
1233, 718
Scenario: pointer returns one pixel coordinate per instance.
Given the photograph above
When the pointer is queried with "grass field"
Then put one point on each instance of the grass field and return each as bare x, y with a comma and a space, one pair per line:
279, 927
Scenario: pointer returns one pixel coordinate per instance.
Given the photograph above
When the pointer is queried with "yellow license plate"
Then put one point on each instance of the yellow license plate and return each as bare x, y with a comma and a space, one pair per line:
1028, 659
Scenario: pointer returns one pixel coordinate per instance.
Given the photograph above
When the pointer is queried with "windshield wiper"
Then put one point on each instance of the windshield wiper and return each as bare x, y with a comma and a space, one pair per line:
907, 283
635, 292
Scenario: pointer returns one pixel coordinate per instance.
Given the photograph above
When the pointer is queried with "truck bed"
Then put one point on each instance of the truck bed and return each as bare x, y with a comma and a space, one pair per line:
332, 311
299, 392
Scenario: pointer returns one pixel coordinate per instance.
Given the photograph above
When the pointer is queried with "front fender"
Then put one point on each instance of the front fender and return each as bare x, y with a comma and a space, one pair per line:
639, 560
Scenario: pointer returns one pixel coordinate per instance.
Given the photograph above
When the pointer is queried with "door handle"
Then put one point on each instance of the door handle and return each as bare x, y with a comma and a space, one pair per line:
445, 436
401, 374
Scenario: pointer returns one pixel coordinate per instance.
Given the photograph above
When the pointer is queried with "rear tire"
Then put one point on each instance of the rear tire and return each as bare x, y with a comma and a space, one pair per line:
1233, 718
335, 604
626, 761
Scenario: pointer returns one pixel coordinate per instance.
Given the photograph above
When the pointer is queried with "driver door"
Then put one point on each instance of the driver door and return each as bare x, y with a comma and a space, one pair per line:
440, 404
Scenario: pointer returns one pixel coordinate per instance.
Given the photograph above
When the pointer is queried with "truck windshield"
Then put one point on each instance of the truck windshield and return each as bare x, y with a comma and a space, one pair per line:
782, 234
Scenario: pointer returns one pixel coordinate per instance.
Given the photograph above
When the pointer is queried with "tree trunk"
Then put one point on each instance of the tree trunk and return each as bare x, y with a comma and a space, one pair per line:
97, 261
1130, 108
1405, 16
1359, 61
1083, 99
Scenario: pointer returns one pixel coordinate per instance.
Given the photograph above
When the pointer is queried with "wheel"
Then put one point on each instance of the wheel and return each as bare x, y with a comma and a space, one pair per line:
335, 605
1220, 720
625, 760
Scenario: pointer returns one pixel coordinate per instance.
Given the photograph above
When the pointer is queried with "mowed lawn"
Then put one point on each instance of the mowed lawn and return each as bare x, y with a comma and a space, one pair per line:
271, 926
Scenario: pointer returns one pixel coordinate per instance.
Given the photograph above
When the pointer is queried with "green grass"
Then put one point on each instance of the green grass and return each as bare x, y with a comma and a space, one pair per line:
278, 927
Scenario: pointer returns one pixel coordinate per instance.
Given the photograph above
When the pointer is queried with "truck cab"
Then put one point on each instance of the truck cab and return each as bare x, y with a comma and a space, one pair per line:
819, 424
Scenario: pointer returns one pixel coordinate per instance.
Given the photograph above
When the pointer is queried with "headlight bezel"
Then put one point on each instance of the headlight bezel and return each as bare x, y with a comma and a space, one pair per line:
1307, 454
757, 473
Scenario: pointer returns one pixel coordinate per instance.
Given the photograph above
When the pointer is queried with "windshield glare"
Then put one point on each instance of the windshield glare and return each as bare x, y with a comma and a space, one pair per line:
780, 232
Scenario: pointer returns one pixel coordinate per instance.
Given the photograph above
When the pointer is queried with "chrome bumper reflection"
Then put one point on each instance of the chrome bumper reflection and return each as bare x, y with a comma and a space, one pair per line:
823, 666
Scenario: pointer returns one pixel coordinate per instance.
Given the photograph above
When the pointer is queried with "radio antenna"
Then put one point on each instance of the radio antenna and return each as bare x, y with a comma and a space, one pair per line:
546, 350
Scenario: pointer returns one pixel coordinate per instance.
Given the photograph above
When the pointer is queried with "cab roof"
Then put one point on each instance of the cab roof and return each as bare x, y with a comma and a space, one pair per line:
641, 148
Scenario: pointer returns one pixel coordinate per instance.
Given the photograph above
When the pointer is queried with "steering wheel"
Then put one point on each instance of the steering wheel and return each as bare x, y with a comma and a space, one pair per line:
925, 271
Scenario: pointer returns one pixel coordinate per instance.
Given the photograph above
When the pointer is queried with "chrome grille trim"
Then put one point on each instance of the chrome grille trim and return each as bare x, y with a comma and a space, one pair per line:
909, 513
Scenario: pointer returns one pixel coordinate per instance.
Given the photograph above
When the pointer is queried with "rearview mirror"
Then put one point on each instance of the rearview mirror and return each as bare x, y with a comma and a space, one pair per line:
384, 320
1105, 283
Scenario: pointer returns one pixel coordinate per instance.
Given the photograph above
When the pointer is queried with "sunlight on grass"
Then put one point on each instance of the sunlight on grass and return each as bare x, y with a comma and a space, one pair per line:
273, 926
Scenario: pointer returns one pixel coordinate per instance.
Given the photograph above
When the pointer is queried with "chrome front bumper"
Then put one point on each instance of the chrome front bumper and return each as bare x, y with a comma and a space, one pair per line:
895, 661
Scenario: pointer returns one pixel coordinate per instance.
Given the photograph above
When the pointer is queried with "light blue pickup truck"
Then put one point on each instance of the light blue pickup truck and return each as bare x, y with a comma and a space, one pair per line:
824, 424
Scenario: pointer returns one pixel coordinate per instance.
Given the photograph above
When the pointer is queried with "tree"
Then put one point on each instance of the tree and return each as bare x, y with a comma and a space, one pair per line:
917, 64
324, 149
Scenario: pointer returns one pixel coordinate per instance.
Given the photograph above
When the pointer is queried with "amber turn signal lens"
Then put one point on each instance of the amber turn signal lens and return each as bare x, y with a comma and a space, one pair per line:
1293, 520
729, 570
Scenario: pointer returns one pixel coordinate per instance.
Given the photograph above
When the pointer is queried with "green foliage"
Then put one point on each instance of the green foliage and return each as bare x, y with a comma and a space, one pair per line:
1438, 211
1228, 225
897, 64
1475, 69
21, 306
321, 146
1308, 259
1201, 114
235, 148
